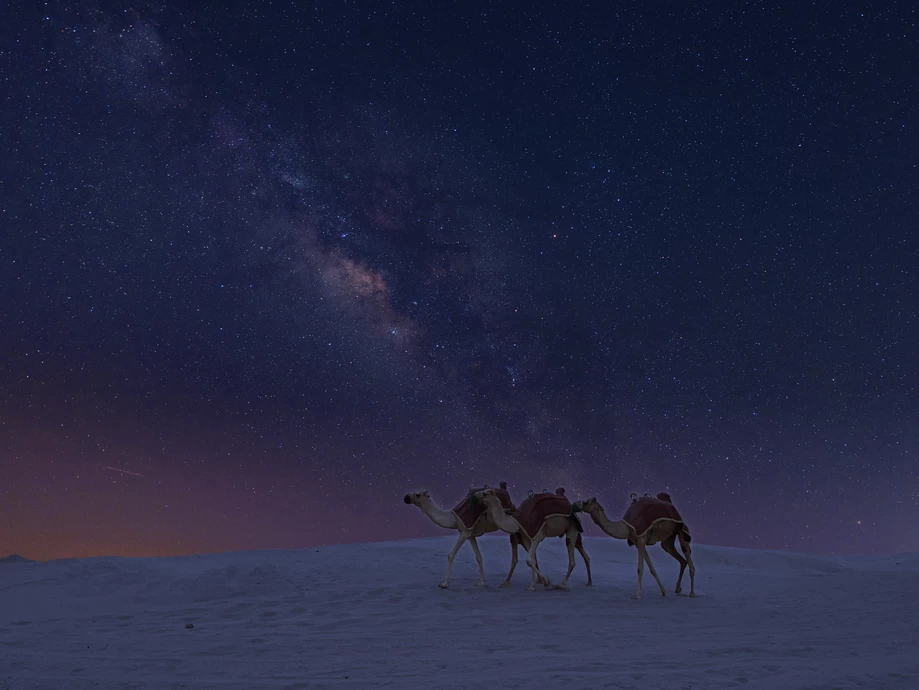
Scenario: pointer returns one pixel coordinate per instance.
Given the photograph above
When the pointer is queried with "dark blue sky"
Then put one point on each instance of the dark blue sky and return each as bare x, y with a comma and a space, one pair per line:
284, 263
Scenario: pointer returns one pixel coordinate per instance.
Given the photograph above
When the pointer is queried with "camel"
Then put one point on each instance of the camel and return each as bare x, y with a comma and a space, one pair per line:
448, 519
552, 526
663, 529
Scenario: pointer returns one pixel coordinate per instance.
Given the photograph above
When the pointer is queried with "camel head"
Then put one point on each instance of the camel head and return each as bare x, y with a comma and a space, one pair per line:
590, 506
417, 498
488, 497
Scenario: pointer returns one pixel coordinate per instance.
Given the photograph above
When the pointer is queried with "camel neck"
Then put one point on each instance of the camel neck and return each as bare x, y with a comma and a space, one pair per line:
617, 529
502, 520
441, 518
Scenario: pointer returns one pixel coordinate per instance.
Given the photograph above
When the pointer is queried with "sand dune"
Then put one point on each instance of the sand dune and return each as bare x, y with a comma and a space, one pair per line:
372, 616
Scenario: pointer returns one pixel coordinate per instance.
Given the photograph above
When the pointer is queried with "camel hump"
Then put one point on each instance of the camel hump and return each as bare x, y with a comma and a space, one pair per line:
560, 491
664, 496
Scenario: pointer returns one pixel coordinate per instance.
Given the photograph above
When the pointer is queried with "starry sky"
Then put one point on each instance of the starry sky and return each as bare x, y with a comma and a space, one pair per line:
265, 267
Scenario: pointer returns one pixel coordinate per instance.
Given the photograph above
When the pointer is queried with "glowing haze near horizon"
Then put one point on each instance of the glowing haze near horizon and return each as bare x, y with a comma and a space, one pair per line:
264, 271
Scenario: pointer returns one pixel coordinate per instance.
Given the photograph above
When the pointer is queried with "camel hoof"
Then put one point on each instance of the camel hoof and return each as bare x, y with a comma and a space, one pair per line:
637, 597
531, 588
678, 590
443, 585
692, 595
480, 584
589, 584
563, 587
505, 584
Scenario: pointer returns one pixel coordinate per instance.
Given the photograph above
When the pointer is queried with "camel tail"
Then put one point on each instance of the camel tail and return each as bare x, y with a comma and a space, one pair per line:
684, 528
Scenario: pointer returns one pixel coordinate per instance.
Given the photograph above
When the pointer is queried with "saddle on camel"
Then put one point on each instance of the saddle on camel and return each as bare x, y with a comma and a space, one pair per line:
470, 509
643, 513
537, 508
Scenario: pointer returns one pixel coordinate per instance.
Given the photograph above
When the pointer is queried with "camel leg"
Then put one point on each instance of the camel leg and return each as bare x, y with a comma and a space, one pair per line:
687, 551
514, 542
531, 561
641, 572
569, 543
644, 552
525, 542
668, 546
543, 580
579, 545
450, 556
478, 558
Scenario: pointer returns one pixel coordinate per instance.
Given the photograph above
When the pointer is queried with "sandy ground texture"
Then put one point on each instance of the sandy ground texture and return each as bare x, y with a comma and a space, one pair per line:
372, 616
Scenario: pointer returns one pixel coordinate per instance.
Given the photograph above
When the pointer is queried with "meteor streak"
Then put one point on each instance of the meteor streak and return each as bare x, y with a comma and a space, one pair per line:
115, 469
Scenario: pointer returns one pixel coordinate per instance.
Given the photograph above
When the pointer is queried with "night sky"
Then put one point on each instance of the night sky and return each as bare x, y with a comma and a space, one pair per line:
266, 266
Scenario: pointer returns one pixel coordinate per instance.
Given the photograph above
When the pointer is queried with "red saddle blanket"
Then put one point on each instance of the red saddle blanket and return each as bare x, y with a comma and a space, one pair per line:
644, 512
536, 508
470, 510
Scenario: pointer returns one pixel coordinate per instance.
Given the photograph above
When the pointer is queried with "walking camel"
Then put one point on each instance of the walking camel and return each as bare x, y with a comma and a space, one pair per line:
470, 519
540, 516
647, 521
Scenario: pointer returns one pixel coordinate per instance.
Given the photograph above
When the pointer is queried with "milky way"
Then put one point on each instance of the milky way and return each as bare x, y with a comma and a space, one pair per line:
268, 266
